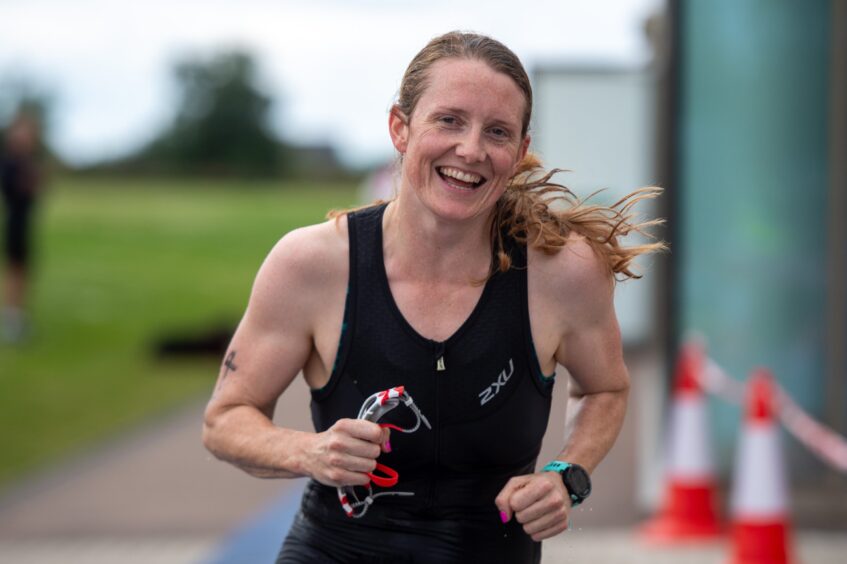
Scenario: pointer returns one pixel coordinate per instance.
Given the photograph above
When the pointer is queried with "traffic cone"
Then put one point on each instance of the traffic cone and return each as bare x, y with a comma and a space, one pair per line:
688, 509
760, 520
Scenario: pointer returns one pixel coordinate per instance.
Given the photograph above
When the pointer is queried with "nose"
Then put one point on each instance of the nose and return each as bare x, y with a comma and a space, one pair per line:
470, 147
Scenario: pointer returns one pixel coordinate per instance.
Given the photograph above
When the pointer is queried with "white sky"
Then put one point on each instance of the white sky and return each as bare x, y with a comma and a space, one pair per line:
332, 66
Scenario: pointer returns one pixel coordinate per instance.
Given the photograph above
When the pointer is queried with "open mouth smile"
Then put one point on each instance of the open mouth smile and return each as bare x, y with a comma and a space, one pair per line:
460, 179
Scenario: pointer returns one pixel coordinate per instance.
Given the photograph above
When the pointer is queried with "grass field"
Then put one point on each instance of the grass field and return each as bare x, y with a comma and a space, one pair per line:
122, 263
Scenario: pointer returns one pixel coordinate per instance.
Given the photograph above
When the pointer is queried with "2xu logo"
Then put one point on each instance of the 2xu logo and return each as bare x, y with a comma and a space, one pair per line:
488, 393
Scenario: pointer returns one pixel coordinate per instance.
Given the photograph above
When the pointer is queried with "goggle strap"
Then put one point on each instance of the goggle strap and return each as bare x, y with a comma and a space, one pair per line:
366, 503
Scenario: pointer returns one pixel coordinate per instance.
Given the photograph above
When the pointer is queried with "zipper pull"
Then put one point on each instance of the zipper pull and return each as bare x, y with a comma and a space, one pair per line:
439, 357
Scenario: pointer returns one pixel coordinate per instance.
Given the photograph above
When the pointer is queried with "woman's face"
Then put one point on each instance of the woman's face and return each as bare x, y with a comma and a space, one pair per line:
463, 140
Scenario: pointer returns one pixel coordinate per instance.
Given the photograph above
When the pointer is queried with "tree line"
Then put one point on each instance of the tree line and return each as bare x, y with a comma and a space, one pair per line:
220, 127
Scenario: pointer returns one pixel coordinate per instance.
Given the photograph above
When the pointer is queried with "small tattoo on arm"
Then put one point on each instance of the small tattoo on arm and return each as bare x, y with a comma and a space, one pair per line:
229, 364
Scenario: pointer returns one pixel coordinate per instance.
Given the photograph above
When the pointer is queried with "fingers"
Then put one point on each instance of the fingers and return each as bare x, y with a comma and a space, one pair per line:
366, 431
503, 501
350, 462
361, 429
520, 492
344, 444
347, 451
538, 501
550, 532
360, 438
543, 515
336, 477
385, 442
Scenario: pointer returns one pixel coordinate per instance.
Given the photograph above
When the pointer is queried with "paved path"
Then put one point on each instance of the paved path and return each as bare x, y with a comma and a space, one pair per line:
156, 496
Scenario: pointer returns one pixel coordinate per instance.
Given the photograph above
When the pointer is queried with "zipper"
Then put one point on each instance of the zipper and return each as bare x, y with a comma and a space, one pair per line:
439, 367
439, 356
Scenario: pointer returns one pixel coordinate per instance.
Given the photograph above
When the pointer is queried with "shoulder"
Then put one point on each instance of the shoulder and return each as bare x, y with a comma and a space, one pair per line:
306, 252
575, 282
304, 263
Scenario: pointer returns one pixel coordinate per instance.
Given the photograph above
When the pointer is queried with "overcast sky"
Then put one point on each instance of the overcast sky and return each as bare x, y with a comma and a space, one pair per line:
332, 66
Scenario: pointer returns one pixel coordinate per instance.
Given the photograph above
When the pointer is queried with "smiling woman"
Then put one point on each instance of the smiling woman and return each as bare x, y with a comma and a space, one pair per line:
462, 141
466, 290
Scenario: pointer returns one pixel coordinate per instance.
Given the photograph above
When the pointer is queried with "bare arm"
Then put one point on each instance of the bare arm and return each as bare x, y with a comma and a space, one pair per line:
591, 351
274, 340
587, 343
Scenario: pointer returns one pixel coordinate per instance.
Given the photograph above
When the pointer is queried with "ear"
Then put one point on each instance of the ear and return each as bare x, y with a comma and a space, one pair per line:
398, 128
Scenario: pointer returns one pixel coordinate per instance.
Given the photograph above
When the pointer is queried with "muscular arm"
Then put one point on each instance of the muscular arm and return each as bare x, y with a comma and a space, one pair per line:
270, 345
574, 324
590, 348
275, 339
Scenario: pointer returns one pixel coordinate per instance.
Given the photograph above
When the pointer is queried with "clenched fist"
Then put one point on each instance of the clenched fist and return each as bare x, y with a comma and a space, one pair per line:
344, 454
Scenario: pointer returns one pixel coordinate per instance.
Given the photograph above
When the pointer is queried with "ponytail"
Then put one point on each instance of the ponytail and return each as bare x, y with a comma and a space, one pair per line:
542, 214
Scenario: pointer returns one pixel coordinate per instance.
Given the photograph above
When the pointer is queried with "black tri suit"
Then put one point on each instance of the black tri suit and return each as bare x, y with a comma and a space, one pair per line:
18, 183
484, 394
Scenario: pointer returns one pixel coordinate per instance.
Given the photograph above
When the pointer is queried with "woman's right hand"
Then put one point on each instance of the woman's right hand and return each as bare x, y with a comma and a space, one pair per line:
344, 454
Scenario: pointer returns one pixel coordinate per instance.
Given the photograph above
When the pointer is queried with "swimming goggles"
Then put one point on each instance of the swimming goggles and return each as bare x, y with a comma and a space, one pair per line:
373, 409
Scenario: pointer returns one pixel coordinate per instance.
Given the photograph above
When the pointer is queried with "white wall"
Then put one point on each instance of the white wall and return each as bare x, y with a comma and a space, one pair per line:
599, 124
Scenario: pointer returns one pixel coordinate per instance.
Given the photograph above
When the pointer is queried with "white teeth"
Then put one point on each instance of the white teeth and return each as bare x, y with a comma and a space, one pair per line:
460, 175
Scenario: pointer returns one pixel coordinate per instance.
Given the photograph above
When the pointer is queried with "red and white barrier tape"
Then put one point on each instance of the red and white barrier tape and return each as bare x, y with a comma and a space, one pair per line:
828, 445
714, 380
824, 442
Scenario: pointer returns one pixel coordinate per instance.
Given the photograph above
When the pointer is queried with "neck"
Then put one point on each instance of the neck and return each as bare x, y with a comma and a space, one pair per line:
432, 248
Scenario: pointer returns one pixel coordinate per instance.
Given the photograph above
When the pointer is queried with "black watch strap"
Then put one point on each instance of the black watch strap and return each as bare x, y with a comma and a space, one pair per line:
575, 477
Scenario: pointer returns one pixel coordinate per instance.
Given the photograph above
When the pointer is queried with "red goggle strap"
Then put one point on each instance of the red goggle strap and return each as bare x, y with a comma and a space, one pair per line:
388, 480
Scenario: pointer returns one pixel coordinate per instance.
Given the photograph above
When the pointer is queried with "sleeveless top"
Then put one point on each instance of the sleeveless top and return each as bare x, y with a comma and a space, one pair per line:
482, 389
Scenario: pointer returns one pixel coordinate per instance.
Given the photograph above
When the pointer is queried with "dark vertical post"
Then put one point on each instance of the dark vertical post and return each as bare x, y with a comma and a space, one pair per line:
670, 153
836, 362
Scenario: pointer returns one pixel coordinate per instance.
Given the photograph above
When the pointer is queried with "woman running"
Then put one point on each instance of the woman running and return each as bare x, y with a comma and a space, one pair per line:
467, 289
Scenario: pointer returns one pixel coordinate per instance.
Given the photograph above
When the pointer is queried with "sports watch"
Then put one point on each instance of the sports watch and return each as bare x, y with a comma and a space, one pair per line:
575, 478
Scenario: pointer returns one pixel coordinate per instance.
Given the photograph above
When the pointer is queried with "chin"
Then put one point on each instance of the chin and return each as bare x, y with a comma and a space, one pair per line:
448, 204
460, 210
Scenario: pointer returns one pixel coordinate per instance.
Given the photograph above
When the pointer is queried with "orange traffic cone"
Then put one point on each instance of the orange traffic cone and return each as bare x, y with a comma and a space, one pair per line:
760, 527
688, 509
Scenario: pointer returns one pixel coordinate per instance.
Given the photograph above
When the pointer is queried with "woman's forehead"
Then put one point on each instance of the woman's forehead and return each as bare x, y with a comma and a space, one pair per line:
472, 85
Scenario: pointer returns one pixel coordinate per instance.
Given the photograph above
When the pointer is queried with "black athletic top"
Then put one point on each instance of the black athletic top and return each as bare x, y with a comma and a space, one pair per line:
482, 390
18, 176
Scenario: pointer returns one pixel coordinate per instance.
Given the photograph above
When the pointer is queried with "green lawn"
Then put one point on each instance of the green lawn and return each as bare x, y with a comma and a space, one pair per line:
122, 262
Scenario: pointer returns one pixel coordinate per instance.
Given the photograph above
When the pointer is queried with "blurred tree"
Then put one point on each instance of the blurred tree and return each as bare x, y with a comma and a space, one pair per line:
221, 122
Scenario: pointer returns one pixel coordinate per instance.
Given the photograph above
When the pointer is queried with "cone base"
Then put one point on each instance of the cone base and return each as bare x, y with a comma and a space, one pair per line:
760, 544
687, 515
666, 531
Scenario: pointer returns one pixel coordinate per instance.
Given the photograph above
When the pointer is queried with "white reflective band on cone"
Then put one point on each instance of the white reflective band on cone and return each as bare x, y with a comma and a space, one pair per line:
759, 487
690, 454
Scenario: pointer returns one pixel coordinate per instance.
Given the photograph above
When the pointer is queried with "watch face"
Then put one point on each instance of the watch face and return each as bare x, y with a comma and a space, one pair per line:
577, 481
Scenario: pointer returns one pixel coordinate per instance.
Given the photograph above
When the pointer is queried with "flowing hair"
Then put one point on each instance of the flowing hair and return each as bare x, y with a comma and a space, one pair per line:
542, 214
534, 210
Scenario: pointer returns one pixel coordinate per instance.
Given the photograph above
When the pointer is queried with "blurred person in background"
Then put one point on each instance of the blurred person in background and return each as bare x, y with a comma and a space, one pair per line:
20, 177
467, 289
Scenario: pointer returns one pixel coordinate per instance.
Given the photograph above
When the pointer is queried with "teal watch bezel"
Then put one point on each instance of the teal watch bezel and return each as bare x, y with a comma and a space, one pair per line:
561, 467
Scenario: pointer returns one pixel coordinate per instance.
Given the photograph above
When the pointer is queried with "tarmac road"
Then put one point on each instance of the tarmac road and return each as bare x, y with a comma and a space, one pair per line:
156, 496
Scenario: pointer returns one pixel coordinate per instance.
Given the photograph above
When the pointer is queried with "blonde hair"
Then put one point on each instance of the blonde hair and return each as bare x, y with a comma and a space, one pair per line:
524, 210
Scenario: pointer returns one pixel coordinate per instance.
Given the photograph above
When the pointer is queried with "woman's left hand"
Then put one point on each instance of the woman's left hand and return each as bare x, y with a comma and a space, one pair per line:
538, 501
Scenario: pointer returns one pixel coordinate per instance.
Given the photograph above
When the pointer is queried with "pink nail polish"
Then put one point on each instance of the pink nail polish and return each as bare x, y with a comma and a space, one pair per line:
387, 446
504, 517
